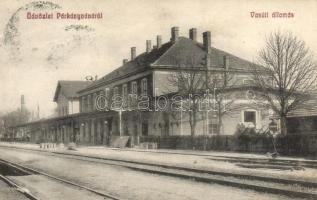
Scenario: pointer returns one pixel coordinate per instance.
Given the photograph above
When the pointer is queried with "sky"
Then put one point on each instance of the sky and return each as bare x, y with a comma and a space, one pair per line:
35, 54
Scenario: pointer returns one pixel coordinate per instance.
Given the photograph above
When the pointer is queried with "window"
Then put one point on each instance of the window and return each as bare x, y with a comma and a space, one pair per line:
100, 102
94, 101
115, 90
250, 116
144, 86
89, 104
133, 99
134, 88
213, 126
107, 96
107, 92
248, 82
83, 102
124, 90
125, 95
86, 104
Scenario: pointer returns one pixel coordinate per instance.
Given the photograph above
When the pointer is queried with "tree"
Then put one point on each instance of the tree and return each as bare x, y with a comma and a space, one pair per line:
218, 82
195, 78
189, 81
285, 74
14, 118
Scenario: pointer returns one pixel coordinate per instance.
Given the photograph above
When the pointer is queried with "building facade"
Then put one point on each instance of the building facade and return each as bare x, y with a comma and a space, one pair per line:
149, 74
66, 96
86, 114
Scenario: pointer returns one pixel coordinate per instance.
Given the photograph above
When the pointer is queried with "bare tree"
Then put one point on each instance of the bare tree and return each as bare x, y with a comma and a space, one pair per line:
195, 79
14, 118
217, 83
221, 83
189, 81
286, 74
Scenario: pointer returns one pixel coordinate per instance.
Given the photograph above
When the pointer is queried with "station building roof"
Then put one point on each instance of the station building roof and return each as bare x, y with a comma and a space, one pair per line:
166, 57
69, 88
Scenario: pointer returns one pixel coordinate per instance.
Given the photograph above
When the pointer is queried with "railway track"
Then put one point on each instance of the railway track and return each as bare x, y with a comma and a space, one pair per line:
18, 188
233, 159
29, 171
287, 187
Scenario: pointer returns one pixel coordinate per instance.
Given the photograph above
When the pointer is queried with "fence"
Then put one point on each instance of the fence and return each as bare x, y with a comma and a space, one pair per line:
188, 142
15, 139
295, 144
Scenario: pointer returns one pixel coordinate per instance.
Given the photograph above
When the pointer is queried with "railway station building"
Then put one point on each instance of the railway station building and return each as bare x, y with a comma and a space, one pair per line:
149, 74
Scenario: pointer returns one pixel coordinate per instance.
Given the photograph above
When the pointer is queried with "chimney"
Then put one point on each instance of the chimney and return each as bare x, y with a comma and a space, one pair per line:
159, 41
124, 61
133, 53
174, 34
207, 41
193, 34
148, 46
